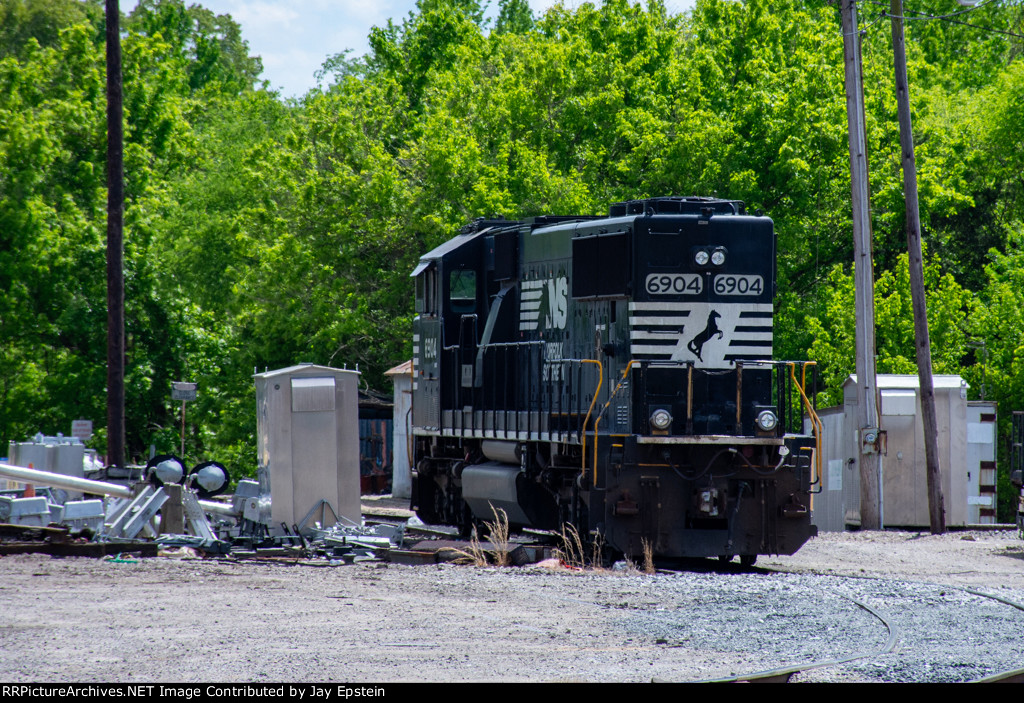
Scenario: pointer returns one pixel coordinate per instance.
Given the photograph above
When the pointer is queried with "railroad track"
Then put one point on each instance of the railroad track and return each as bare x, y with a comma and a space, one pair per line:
828, 629
911, 650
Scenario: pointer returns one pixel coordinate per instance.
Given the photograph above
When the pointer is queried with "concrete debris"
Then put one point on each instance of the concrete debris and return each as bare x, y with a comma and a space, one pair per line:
179, 553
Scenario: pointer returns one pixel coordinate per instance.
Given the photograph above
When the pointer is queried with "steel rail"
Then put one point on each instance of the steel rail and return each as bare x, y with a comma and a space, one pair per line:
783, 674
1009, 676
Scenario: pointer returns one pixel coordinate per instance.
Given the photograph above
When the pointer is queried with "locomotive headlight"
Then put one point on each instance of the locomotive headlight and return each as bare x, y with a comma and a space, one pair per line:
718, 257
661, 419
767, 420
701, 258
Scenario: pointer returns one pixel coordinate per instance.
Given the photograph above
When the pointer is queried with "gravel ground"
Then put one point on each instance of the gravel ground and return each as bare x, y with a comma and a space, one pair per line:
191, 620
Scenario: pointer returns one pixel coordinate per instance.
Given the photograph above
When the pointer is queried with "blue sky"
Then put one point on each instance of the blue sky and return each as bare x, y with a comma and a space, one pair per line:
294, 38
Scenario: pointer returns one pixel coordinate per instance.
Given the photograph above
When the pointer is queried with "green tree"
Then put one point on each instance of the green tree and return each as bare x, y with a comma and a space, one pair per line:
209, 47
951, 310
43, 20
52, 225
514, 17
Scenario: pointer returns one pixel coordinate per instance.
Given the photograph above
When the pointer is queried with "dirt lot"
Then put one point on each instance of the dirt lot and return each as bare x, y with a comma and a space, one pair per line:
980, 559
192, 620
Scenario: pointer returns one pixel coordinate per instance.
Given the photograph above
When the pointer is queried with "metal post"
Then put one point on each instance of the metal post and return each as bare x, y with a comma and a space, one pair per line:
182, 455
869, 458
183, 391
922, 345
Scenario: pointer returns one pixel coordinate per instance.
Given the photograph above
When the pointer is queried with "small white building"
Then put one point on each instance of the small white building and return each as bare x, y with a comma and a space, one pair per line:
401, 479
967, 453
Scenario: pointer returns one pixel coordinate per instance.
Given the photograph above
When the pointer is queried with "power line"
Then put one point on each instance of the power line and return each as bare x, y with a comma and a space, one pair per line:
980, 5
952, 14
872, 23
950, 18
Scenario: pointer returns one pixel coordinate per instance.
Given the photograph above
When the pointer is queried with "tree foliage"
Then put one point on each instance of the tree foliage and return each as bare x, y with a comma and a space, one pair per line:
264, 233
950, 311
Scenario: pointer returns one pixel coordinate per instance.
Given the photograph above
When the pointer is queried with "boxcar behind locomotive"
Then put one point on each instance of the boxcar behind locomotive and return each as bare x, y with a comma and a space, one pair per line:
614, 373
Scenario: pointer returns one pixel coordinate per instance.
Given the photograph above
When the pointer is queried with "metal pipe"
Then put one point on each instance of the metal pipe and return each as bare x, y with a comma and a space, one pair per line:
73, 483
211, 506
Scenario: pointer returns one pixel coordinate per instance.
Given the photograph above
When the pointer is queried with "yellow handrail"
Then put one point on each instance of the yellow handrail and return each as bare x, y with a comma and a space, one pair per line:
600, 380
625, 372
815, 420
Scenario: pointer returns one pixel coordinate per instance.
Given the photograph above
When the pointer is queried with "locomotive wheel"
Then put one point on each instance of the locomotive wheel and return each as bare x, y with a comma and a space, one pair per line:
610, 555
748, 559
483, 532
467, 523
725, 558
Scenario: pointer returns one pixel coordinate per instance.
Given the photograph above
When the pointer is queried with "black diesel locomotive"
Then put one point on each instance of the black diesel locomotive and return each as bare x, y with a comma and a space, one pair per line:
613, 373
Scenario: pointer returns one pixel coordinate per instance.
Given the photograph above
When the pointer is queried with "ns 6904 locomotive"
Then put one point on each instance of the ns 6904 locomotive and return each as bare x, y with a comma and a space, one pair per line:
613, 373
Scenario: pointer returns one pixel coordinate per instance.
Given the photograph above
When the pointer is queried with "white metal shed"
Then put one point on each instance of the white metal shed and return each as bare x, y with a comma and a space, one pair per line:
401, 481
967, 437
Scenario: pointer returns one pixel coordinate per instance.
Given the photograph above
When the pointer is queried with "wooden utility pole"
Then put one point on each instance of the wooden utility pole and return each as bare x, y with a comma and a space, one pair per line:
870, 459
936, 510
115, 243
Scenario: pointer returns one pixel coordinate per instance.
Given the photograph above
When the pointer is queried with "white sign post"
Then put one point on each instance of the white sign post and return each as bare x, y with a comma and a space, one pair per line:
183, 391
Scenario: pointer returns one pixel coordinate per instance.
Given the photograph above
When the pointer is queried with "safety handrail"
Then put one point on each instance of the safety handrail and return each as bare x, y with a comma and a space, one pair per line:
611, 396
593, 401
815, 420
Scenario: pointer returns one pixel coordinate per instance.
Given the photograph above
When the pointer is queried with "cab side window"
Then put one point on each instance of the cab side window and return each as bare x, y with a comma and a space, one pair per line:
462, 290
426, 293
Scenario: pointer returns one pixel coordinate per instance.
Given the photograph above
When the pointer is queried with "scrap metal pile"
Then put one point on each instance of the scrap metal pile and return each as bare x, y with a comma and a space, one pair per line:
168, 507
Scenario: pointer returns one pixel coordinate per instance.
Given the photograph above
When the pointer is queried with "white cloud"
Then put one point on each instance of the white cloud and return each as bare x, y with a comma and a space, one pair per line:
294, 39
264, 19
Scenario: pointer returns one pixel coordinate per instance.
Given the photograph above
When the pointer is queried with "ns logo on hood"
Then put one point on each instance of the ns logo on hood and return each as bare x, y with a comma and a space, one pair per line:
544, 304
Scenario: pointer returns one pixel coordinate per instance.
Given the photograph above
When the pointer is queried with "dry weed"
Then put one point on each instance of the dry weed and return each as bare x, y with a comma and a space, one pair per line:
648, 556
597, 553
499, 537
571, 552
476, 555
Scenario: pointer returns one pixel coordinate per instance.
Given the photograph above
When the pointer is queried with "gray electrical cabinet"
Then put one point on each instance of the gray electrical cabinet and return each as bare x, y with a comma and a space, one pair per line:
307, 441
967, 459
60, 454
